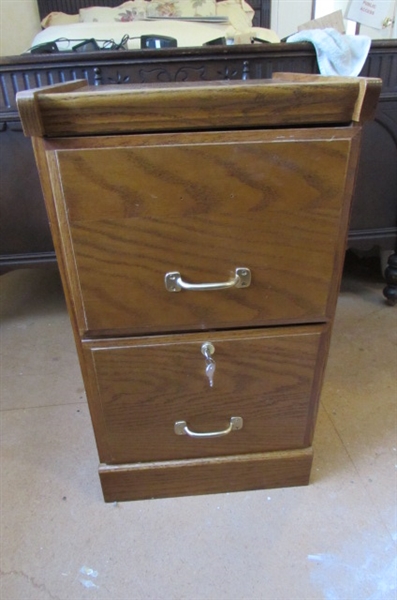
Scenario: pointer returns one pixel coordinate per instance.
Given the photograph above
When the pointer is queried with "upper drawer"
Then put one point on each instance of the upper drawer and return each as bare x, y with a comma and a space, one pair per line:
137, 208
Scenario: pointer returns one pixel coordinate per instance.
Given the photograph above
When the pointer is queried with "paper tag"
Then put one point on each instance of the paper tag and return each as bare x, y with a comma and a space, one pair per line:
372, 13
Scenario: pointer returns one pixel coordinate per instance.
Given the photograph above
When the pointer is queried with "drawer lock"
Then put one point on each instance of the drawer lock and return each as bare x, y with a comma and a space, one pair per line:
181, 428
175, 283
207, 349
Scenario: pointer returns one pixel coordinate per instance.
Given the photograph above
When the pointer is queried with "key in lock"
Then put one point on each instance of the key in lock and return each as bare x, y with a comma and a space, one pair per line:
207, 349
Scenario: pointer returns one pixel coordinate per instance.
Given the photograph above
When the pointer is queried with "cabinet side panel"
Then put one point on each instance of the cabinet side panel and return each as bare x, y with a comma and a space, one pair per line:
48, 177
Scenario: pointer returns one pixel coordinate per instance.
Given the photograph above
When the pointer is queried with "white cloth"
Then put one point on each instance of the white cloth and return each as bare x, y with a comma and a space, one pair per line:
337, 54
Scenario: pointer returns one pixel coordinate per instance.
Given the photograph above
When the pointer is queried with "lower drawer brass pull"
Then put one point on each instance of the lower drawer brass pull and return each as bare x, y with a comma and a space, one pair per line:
181, 428
175, 283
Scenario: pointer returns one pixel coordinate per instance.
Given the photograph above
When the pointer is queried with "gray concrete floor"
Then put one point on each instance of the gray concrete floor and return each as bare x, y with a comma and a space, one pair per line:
334, 540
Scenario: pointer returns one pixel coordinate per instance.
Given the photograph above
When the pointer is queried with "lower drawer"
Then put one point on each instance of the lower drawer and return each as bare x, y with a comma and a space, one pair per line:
152, 398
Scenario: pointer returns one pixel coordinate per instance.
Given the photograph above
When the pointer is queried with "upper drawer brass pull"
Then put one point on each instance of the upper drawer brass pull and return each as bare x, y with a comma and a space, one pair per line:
181, 428
175, 283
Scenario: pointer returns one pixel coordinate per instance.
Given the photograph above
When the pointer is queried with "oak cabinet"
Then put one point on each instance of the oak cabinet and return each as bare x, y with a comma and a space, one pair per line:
25, 239
201, 231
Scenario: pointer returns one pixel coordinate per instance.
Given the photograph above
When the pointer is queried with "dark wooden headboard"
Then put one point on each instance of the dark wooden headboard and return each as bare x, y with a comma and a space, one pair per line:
72, 7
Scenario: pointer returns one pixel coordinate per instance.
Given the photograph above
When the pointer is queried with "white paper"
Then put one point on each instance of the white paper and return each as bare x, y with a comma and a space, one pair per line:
370, 12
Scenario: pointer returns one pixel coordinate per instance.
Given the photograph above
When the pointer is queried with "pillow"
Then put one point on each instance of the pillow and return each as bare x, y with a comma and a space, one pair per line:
59, 18
129, 11
239, 13
181, 8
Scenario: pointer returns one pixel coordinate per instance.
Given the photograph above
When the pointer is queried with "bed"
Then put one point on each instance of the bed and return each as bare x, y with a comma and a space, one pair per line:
127, 25
25, 238
139, 24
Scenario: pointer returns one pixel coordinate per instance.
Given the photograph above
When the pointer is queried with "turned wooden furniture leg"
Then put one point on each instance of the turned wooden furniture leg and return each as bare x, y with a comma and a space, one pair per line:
390, 291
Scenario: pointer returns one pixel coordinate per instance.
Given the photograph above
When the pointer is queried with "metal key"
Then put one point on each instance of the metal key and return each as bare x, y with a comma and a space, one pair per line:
207, 349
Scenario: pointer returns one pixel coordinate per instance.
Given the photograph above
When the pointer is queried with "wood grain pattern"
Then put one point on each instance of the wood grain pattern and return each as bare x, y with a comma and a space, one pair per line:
191, 106
367, 98
274, 204
206, 476
126, 209
31, 115
26, 238
64, 252
145, 385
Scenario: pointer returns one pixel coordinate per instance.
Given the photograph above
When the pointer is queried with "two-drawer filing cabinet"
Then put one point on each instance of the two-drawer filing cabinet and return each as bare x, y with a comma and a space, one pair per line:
200, 230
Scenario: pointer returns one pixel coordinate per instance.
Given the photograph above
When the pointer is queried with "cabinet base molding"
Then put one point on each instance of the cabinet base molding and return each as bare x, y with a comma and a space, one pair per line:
205, 476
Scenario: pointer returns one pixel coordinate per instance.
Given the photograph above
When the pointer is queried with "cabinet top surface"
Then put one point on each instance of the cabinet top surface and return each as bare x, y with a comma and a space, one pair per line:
286, 100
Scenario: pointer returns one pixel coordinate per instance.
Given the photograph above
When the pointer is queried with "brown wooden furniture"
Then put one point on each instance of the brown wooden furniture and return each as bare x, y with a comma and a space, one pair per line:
25, 238
200, 230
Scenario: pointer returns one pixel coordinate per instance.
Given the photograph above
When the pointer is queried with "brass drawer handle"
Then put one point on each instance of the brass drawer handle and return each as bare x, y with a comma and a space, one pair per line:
181, 428
175, 283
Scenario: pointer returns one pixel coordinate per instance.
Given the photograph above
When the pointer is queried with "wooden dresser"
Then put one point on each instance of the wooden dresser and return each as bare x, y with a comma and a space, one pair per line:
25, 239
200, 230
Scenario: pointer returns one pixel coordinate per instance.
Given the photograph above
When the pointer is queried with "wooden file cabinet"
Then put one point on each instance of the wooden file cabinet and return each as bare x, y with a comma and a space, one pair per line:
200, 230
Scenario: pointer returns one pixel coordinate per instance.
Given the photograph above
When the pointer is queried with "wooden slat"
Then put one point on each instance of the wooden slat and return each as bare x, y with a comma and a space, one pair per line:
31, 116
367, 99
190, 106
206, 476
